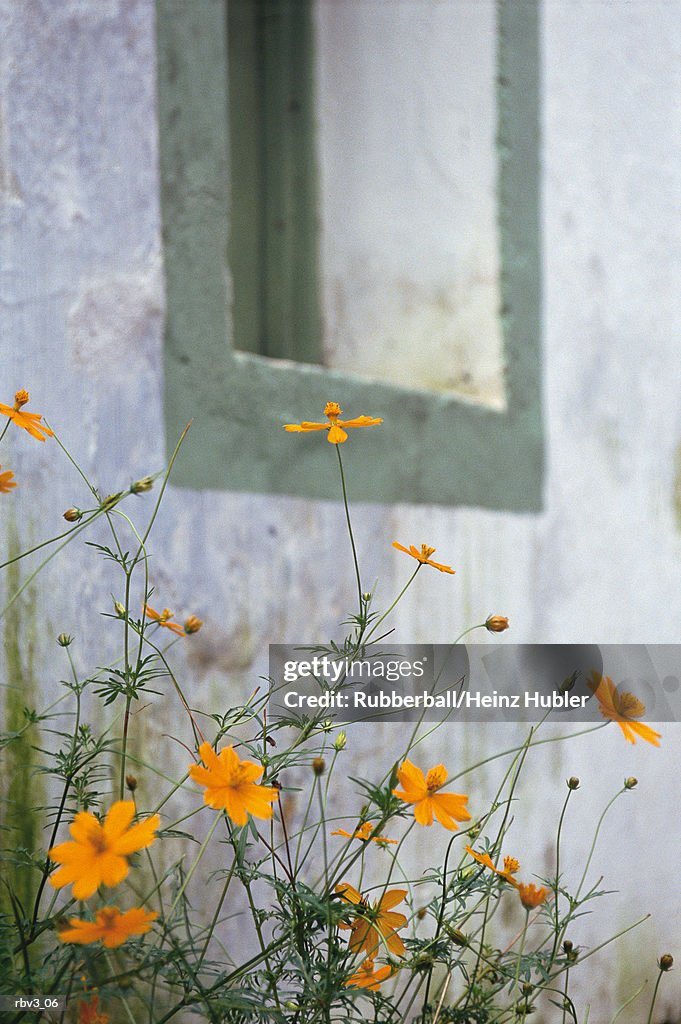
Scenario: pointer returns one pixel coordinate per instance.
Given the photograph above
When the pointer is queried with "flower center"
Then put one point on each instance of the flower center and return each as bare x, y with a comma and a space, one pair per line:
99, 843
426, 552
436, 778
165, 615
332, 410
20, 398
107, 916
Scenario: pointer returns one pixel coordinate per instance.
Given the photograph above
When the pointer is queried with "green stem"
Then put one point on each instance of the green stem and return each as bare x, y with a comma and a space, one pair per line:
352, 539
558, 834
595, 838
194, 866
398, 598
217, 913
652, 1002
520, 951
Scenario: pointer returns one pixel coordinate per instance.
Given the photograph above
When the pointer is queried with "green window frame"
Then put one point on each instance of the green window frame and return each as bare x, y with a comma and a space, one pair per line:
432, 448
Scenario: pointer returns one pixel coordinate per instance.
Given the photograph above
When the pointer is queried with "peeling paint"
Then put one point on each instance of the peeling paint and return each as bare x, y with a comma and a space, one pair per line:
113, 324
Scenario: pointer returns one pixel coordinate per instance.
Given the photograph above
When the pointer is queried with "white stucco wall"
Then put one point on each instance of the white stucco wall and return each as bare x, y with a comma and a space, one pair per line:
81, 303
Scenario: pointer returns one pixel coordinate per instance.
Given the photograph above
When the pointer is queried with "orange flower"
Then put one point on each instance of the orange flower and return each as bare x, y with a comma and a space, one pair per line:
337, 435
364, 833
511, 865
109, 925
6, 481
98, 855
421, 791
163, 619
423, 556
88, 1013
377, 922
531, 896
29, 421
365, 977
192, 624
230, 784
622, 708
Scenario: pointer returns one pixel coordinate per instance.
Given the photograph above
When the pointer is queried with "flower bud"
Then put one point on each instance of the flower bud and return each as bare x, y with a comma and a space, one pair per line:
573, 782
327, 725
64, 640
630, 782
666, 962
570, 951
140, 486
496, 623
192, 624
340, 741
568, 684
319, 766
109, 501
421, 913
131, 782
72, 515
456, 935
119, 609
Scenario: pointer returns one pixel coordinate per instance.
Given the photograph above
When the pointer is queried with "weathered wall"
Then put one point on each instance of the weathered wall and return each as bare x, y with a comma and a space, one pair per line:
82, 301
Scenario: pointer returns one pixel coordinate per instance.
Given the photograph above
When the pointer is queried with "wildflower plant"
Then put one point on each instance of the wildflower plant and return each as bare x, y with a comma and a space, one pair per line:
218, 900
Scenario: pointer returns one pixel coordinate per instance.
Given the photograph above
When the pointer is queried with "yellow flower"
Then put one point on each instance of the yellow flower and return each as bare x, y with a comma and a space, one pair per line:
29, 421
377, 922
7, 481
531, 896
88, 1013
363, 832
109, 925
192, 624
366, 977
421, 791
230, 784
337, 435
423, 556
511, 865
98, 854
163, 619
622, 708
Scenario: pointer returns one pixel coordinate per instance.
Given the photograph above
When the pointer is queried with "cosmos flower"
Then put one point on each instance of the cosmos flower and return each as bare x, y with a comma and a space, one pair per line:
376, 923
29, 421
89, 1012
366, 977
230, 784
337, 435
7, 481
423, 556
622, 708
164, 619
110, 926
422, 791
511, 865
531, 896
98, 853
363, 832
